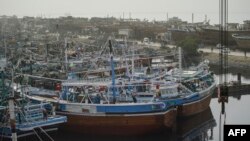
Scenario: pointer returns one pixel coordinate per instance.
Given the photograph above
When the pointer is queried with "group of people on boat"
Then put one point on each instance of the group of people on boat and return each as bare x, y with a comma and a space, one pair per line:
198, 84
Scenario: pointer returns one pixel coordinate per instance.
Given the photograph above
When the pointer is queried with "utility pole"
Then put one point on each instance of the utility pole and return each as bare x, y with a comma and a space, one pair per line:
223, 57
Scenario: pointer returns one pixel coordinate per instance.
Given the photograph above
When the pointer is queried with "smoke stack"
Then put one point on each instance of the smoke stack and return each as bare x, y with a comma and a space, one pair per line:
167, 16
192, 17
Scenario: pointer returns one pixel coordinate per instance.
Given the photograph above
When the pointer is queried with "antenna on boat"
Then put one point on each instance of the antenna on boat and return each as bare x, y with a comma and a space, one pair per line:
112, 70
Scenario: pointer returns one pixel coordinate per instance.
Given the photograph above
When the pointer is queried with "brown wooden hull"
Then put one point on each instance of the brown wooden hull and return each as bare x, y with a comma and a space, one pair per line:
132, 124
243, 43
211, 36
195, 107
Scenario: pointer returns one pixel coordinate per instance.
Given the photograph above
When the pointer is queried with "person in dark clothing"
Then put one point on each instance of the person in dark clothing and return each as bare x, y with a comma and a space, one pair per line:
19, 118
134, 98
45, 114
98, 99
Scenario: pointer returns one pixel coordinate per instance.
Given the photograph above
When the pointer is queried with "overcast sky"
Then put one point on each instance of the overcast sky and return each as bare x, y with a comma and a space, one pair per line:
151, 9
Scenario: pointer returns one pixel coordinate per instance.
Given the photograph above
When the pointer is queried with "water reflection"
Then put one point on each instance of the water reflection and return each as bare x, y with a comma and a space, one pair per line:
236, 111
233, 72
233, 77
199, 127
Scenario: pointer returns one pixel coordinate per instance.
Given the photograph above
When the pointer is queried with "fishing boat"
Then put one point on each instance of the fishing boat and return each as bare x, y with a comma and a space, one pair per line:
120, 118
189, 90
142, 103
19, 117
200, 82
243, 40
29, 120
209, 35
100, 107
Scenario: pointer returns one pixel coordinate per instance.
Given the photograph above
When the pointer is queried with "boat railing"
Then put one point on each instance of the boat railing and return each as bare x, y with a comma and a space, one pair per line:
35, 106
34, 116
35, 112
88, 80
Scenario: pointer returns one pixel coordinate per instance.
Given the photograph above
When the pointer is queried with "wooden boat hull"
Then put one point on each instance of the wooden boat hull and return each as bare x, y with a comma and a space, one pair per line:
119, 124
211, 36
243, 43
195, 107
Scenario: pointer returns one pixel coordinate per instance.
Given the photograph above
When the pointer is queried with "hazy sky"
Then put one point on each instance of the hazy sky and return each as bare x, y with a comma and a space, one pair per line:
239, 10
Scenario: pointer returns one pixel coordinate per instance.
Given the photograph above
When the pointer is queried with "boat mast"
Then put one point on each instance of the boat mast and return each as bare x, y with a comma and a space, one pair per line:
133, 64
66, 55
180, 63
5, 50
124, 53
12, 111
112, 71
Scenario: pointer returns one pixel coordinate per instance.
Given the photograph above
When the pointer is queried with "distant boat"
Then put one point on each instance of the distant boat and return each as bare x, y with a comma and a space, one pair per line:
243, 40
211, 36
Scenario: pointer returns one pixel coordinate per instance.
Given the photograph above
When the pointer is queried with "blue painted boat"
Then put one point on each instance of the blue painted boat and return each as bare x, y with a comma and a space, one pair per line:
19, 117
29, 119
99, 107
132, 106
